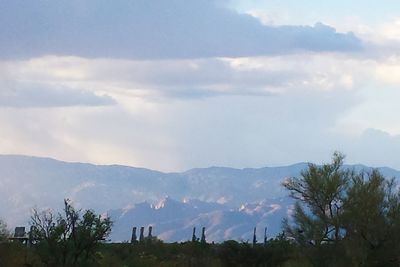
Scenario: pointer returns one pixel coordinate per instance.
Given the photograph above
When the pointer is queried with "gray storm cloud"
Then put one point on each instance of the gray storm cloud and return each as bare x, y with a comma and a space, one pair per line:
41, 96
150, 29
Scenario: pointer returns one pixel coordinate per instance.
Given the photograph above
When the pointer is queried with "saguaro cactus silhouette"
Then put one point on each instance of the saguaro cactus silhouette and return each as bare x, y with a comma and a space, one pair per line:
203, 235
134, 237
265, 236
254, 236
141, 237
194, 238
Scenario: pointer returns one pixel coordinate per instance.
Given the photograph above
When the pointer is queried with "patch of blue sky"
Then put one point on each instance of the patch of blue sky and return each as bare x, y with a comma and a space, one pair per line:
312, 11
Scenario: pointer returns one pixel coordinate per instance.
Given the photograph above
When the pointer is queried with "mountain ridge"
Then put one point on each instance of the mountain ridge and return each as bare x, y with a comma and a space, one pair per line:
41, 158
27, 182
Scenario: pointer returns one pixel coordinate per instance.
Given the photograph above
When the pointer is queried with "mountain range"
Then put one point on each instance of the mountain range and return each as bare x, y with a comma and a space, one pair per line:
228, 202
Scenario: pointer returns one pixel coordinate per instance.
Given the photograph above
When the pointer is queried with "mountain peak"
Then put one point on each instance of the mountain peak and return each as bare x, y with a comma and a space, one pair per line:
166, 202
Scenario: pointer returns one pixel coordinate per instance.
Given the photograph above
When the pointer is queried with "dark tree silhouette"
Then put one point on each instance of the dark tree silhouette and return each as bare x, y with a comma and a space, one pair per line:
69, 238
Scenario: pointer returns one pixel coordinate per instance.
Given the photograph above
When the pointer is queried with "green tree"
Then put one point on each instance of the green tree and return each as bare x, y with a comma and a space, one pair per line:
371, 220
343, 218
4, 232
69, 238
320, 191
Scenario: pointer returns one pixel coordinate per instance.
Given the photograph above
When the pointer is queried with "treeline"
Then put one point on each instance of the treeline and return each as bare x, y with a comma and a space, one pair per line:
155, 253
345, 218
341, 218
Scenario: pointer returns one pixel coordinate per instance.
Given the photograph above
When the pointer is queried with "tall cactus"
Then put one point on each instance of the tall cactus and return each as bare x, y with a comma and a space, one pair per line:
134, 237
203, 235
141, 237
194, 238
265, 236
254, 237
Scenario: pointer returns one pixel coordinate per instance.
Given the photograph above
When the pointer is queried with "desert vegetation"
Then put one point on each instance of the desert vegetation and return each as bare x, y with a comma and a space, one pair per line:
341, 218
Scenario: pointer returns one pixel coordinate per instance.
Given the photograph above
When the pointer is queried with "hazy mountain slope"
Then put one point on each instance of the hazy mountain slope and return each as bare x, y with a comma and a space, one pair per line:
26, 182
237, 186
174, 221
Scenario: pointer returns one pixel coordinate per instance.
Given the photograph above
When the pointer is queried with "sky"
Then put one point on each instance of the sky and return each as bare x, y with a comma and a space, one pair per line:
178, 84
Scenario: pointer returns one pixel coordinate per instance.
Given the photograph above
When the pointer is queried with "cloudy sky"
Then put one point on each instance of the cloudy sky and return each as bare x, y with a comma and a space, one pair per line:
177, 84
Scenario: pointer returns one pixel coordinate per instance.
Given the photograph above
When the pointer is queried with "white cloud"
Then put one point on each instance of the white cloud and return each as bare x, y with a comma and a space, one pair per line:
262, 76
388, 72
376, 148
390, 30
177, 114
269, 18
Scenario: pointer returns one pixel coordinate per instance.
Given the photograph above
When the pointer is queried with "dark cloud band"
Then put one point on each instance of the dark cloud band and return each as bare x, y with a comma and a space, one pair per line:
43, 97
150, 29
